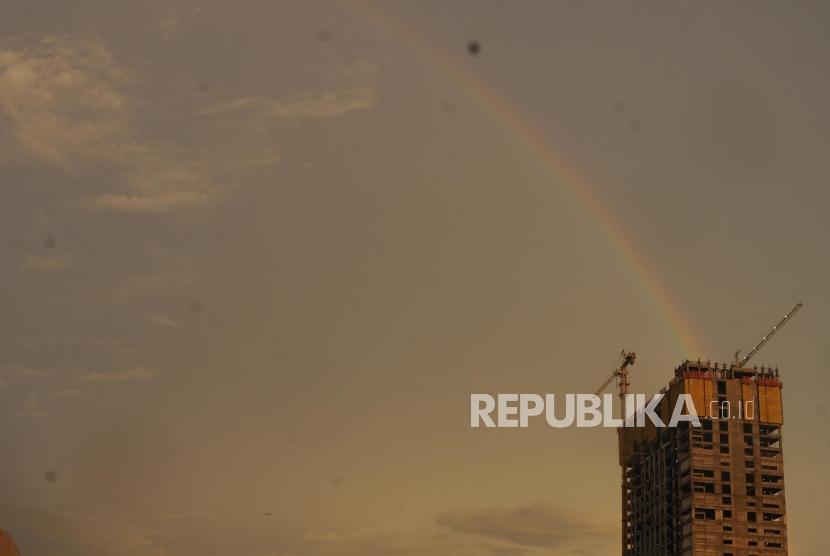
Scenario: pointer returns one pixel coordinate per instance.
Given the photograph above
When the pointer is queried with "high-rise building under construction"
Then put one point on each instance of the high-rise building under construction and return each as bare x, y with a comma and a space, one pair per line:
714, 490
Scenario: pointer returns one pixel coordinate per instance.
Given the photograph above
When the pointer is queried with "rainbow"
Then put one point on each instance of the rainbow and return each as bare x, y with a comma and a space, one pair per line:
563, 172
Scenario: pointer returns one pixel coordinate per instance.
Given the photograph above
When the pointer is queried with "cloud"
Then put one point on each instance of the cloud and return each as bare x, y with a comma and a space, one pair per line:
15, 376
162, 177
23, 372
326, 105
532, 529
174, 19
536, 525
30, 409
68, 393
65, 103
61, 101
162, 320
135, 286
72, 532
151, 204
128, 375
399, 540
41, 531
353, 90
45, 263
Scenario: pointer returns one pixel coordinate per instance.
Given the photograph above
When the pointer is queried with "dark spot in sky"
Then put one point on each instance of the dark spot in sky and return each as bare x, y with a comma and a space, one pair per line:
239, 38
473, 48
196, 307
449, 107
293, 438
50, 242
821, 410
619, 107
202, 86
337, 481
634, 126
323, 36
50, 476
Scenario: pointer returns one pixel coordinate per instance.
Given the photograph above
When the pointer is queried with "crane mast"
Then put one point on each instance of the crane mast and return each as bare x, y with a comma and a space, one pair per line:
621, 374
764, 339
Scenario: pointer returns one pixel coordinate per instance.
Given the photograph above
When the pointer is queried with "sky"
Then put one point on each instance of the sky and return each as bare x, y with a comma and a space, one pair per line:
257, 255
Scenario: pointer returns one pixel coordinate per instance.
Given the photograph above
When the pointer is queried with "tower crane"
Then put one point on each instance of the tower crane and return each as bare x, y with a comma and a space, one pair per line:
740, 362
627, 359
621, 374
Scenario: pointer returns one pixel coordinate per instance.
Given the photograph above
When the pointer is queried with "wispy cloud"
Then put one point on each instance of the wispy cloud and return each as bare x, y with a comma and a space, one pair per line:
30, 409
352, 88
128, 375
23, 372
62, 101
75, 533
400, 540
163, 321
175, 19
162, 178
67, 393
146, 203
535, 525
326, 105
15, 376
67, 103
46, 263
